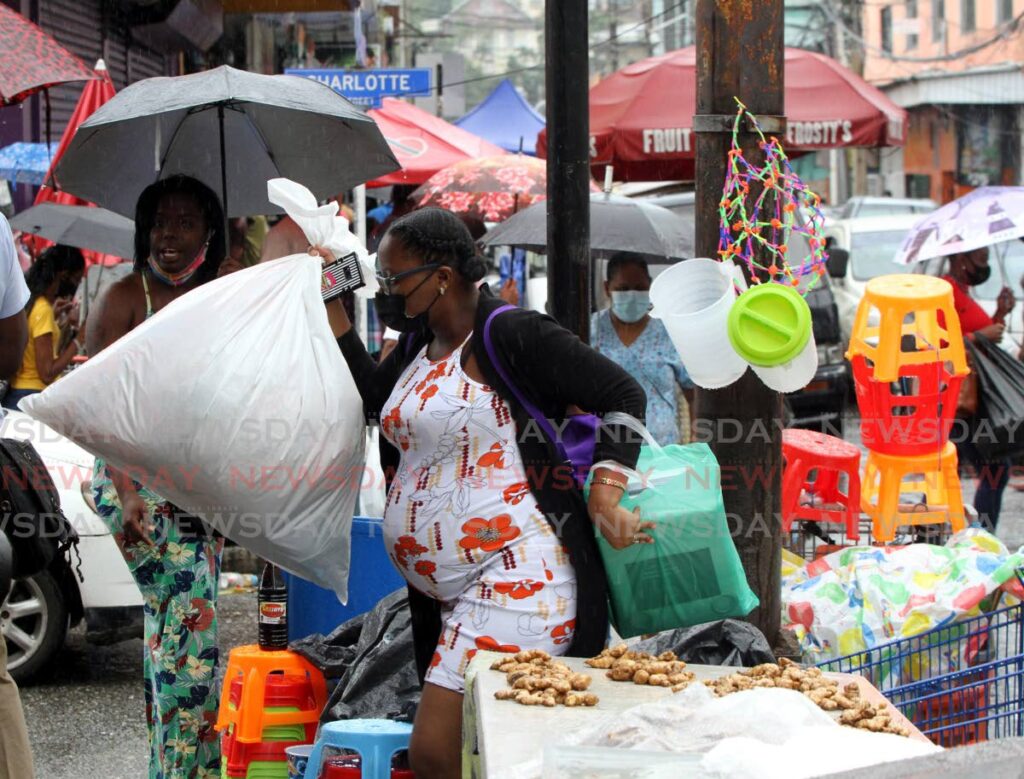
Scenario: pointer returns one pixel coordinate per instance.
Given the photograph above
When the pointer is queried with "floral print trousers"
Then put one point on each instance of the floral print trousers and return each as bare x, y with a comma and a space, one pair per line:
178, 577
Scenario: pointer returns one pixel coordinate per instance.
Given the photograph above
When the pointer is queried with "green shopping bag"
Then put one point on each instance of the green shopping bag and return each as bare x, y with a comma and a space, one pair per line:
691, 573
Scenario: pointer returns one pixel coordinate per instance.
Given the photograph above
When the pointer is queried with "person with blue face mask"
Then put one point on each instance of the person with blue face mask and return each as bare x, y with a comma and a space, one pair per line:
626, 334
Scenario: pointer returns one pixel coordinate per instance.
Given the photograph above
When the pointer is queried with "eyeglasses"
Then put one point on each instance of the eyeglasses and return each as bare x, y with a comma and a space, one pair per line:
387, 282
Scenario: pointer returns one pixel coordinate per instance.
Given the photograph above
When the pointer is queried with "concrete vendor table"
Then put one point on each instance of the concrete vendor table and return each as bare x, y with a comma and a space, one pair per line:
505, 734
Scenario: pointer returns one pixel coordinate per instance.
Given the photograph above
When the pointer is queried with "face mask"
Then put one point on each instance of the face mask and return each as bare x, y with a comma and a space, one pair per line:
631, 306
976, 276
391, 310
180, 278
67, 289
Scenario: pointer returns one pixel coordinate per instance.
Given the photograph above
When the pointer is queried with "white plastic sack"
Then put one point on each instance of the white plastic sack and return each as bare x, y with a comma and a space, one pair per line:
322, 226
236, 404
372, 495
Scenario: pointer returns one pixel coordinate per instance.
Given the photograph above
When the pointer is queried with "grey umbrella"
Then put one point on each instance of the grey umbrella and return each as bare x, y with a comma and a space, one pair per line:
96, 229
230, 129
616, 224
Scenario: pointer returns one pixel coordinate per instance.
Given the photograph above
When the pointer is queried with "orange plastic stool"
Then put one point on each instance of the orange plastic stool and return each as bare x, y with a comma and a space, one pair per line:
254, 665
885, 479
907, 305
805, 451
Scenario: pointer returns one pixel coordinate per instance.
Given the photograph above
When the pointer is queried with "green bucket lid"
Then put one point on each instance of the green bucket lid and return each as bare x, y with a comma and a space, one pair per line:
769, 324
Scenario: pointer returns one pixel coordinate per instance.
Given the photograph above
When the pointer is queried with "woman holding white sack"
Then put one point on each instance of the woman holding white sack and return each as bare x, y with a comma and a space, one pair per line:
179, 245
483, 520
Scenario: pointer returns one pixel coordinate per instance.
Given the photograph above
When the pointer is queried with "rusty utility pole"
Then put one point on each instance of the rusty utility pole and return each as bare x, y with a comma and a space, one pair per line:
568, 75
740, 55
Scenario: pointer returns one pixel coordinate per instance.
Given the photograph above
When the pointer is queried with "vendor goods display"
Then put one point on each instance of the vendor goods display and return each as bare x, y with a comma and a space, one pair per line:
908, 359
534, 679
768, 327
822, 691
626, 665
762, 206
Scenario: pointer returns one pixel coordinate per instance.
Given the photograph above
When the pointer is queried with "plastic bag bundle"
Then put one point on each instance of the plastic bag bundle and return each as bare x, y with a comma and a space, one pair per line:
235, 403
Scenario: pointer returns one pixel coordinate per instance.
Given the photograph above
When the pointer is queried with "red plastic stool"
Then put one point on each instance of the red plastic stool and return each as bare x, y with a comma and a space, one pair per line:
805, 451
917, 422
348, 767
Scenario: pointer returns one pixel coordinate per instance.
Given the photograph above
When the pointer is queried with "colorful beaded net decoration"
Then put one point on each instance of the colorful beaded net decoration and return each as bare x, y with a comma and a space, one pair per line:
759, 234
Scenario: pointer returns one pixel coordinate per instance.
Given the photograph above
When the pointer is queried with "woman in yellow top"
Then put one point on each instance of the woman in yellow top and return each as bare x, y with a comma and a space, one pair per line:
53, 277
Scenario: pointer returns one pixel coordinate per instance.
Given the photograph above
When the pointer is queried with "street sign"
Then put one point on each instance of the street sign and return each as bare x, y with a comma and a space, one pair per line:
369, 87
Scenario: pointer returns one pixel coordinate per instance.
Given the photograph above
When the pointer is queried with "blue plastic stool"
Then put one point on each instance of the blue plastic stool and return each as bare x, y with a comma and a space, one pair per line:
376, 741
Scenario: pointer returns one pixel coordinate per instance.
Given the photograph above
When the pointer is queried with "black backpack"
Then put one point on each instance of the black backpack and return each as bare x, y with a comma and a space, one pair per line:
30, 513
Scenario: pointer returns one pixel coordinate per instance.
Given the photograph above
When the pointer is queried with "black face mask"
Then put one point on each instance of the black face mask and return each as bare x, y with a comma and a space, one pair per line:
977, 276
391, 310
66, 289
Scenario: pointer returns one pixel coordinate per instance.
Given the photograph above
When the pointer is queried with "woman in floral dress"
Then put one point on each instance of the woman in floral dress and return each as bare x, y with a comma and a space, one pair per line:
482, 518
179, 244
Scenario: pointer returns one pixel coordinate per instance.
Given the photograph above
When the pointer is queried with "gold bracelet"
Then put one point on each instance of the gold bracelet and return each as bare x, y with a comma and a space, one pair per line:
610, 482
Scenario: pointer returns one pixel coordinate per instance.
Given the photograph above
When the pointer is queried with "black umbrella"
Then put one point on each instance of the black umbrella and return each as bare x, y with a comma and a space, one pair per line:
230, 129
616, 224
96, 229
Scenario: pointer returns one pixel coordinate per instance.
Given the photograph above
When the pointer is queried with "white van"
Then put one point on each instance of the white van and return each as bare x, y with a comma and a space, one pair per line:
872, 243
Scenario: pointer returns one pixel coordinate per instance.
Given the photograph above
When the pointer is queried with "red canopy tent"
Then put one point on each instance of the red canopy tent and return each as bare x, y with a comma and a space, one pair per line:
641, 117
423, 143
96, 93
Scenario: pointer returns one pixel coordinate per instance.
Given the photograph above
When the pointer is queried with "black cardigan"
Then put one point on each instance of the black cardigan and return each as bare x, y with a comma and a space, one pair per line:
554, 369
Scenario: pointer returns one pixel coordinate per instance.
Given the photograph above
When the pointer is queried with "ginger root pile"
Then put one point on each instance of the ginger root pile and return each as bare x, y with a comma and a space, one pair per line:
824, 692
534, 679
624, 665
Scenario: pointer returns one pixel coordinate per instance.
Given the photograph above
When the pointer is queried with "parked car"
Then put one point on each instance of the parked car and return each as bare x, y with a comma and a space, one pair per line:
861, 207
820, 404
39, 611
871, 244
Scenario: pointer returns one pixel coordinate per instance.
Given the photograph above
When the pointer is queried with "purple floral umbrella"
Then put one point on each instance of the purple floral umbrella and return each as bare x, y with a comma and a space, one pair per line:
984, 217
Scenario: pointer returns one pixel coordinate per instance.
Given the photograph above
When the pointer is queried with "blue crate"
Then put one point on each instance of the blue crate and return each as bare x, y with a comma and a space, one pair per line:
313, 609
959, 683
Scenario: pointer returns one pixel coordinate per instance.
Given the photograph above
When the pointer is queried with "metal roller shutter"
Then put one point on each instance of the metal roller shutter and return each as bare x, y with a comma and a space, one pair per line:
75, 24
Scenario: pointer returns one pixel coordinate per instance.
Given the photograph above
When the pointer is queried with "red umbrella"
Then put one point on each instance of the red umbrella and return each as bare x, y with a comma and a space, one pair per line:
641, 117
492, 188
30, 60
97, 92
423, 143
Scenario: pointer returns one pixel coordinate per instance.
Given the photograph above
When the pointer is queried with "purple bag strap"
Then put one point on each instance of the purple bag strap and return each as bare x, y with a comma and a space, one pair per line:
531, 409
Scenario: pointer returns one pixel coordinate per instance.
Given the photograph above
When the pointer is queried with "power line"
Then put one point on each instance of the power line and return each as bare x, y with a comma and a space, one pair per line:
644, 23
1010, 28
597, 45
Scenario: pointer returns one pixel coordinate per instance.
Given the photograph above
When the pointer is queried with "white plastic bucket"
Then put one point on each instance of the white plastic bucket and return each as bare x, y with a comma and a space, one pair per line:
693, 298
793, 375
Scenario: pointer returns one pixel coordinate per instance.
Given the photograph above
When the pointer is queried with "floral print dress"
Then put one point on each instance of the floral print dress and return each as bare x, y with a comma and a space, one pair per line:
462, 526
178, 577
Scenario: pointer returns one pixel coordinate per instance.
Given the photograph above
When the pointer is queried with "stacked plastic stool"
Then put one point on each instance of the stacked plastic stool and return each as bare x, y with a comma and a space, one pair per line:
375, 740
908, 361
828, 458
266, 759
270, 701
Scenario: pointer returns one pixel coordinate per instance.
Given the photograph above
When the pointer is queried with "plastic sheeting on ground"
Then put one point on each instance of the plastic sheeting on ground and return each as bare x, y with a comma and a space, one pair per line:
372, 657
728, 642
